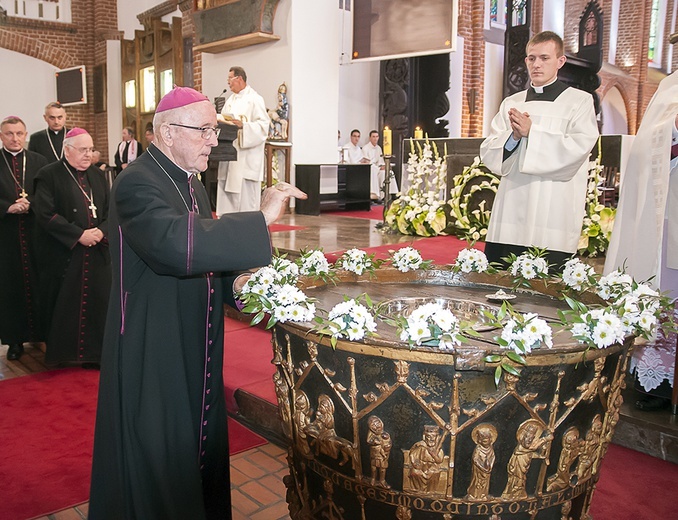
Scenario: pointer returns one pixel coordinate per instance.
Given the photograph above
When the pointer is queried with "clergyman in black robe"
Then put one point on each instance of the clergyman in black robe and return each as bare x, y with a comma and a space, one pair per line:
50, 142
161, 440
19, 320
71, 207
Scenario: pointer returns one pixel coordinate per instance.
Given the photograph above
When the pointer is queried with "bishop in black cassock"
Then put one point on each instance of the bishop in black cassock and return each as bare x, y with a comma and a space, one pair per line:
161, 440
71, 206
19, 320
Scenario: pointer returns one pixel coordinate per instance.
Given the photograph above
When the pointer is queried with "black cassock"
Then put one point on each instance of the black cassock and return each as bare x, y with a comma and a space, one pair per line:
48, 144
161, 440
19, 320
75, 280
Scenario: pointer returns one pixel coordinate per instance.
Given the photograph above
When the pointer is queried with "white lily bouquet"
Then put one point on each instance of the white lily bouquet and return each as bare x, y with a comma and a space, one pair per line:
349, 319
419, 211
272, 291
408, 259
599, 219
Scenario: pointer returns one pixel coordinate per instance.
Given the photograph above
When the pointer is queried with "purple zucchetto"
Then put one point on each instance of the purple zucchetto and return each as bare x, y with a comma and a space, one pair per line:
179, 97
74, 132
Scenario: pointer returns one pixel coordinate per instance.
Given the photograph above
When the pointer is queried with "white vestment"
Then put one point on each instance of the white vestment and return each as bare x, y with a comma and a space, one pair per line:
248, 107
645, 233
374, 154
353, 154
542, 193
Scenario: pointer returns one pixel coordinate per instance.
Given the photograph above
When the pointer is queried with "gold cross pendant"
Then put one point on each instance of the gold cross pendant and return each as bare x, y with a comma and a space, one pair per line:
93, 209
23, 193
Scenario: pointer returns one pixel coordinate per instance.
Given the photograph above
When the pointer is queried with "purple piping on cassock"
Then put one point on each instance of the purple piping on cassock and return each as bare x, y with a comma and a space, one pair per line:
207, 357
123, 295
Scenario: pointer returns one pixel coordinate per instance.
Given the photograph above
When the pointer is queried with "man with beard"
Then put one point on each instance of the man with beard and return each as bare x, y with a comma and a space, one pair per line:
71, 207
18, 276
50, 142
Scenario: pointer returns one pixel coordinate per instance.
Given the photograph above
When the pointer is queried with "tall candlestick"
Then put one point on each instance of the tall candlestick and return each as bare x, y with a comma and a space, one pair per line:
418, 133
388, 143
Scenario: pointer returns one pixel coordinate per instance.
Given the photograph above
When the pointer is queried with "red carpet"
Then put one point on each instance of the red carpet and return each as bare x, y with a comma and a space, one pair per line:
442, 249
375, 213
247, 362
46, 434
275, 228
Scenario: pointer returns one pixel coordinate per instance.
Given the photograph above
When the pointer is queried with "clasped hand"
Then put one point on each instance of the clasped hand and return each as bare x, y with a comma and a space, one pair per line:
520, 123
21, 205
91, 237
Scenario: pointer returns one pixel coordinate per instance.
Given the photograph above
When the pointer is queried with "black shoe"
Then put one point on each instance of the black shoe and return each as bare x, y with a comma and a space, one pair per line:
15, 351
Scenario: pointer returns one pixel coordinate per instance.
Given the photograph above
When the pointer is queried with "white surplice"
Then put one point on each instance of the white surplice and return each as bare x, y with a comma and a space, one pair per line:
248, 107
645, 233
374, 154
542, 193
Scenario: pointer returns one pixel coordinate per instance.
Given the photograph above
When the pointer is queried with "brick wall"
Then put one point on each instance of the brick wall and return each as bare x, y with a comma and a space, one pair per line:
470, 27
81, 42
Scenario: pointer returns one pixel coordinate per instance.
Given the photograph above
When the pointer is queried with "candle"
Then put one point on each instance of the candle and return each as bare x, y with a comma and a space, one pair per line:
388, 143
418, 133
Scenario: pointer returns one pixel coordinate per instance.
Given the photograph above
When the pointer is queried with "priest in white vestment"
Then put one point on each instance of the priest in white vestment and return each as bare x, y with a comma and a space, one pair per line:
239, 182
373, 155
539, 145
645, 234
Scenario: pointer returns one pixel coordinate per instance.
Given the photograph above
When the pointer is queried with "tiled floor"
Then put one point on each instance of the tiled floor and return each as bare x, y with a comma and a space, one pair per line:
257, 489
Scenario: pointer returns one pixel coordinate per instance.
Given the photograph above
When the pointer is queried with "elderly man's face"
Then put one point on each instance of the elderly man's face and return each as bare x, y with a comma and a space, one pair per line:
189, 150
79, 152
126, 136
55, 118
235, 83
13, 136
355, 137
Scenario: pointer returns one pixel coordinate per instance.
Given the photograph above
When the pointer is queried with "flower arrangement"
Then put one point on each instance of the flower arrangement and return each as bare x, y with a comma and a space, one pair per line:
408, 259
528, 266
357, 261
349, 319
419, 211
471, 260
469, 220
520, 334
271, 290
598, 328
314, 263
599, 219
429, 324
578, 275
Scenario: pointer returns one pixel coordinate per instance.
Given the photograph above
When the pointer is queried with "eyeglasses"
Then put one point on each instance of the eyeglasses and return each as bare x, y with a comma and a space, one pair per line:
82, 150
207, 131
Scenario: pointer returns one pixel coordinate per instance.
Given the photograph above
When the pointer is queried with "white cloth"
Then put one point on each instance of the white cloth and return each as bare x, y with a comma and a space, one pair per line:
353, 154
132, 151
542, 193
374, 154
247, 199
647, 214
248, 107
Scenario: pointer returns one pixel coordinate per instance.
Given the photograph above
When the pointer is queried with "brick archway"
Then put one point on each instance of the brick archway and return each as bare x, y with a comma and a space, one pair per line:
36, 49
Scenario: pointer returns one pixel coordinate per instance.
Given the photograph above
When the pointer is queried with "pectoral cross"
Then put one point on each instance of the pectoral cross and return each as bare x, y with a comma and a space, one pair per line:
93, 209
23, 193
